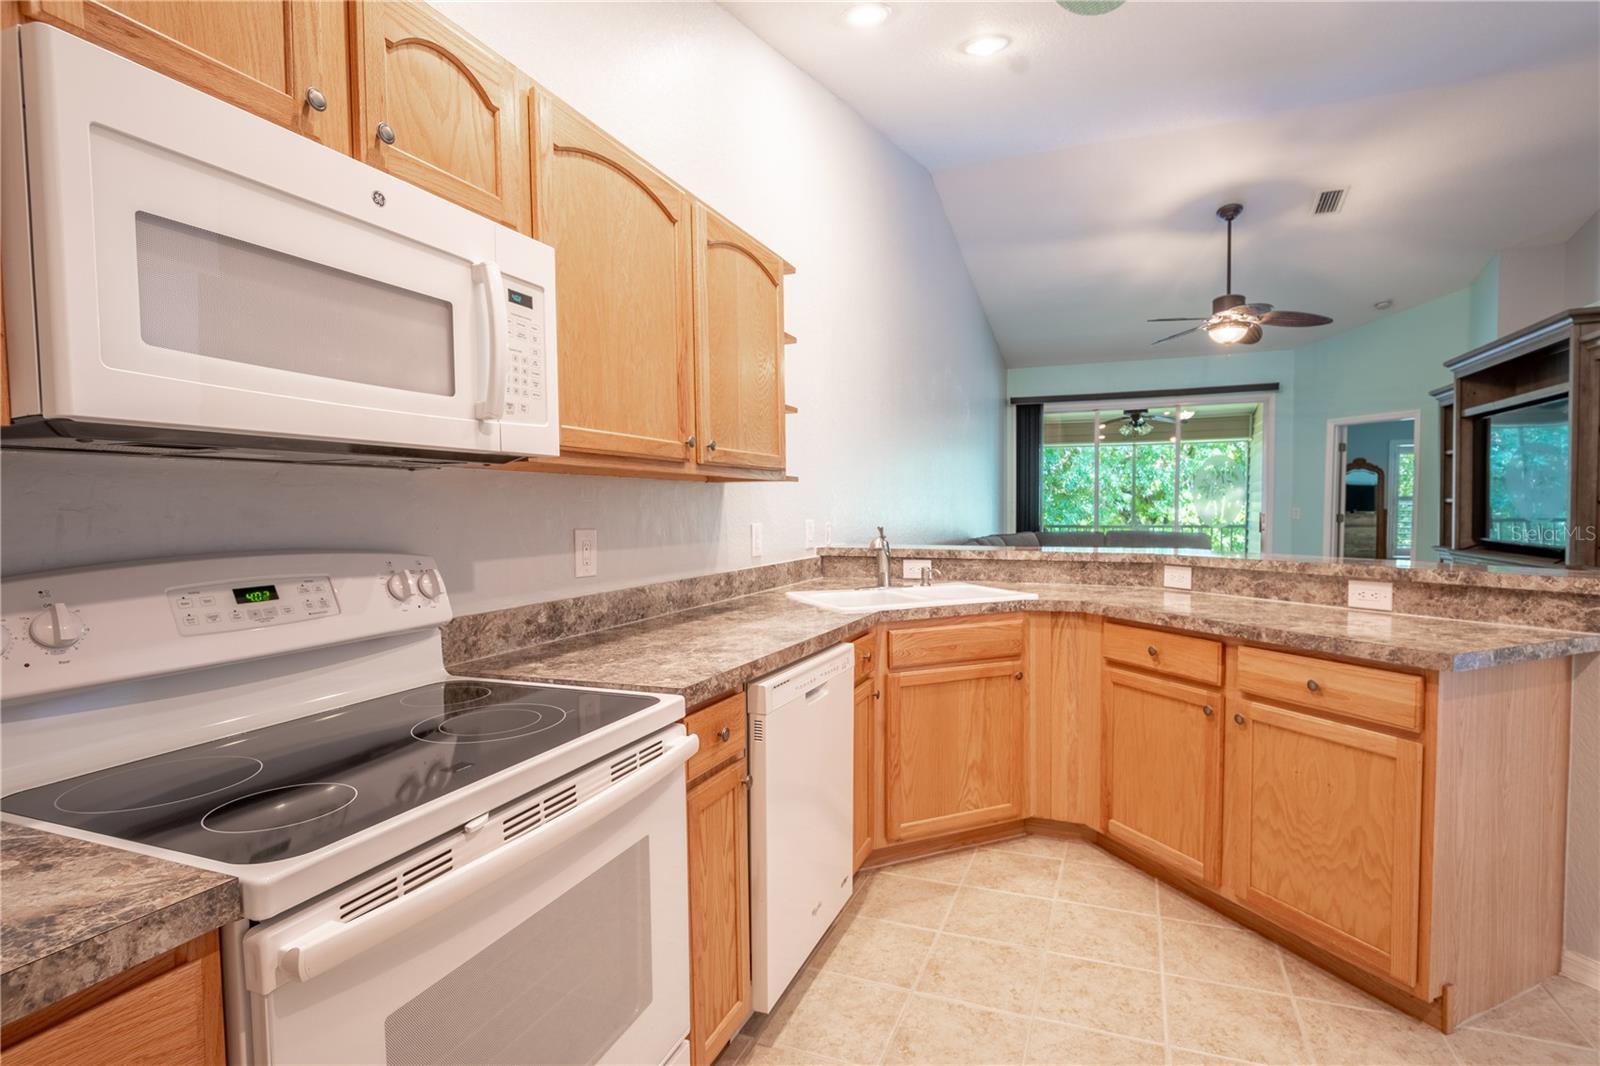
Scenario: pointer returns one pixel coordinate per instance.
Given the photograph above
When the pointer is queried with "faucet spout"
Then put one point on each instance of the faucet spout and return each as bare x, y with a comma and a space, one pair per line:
880, 544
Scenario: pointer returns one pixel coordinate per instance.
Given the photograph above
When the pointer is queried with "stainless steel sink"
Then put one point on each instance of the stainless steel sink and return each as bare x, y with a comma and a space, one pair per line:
950, 593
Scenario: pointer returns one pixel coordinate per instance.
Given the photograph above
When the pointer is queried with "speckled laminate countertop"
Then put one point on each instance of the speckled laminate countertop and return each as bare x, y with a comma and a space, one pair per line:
73, 912
707, 651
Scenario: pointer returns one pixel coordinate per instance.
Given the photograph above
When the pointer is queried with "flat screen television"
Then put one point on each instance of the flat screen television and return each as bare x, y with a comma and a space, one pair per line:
1529, 453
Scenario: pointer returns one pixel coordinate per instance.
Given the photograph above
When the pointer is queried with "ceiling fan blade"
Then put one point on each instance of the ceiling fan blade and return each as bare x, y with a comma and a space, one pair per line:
1175, 336
1294, 318
1255, 309
1175, 320
1251, 335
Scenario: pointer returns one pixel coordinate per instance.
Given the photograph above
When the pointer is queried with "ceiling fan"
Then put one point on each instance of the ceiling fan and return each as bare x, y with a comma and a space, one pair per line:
1232, 321
1139, 422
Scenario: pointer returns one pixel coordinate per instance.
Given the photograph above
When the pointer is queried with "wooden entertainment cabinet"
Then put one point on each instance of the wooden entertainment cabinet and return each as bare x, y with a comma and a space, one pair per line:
1557, 358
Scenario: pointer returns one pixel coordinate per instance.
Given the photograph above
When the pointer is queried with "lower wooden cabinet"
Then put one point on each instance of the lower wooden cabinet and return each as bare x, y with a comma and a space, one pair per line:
719, 908
953, 748
862, 755
1325, 832
164, 1012
1163, 767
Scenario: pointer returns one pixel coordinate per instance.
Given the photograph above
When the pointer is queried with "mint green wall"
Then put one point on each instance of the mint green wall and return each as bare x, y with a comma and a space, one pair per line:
1386, 365
1484, 298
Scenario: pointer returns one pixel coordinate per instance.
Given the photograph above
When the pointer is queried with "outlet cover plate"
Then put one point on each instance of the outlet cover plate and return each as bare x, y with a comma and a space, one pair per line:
755, 540
1177, 577
912, 568
1372, 595
585, 553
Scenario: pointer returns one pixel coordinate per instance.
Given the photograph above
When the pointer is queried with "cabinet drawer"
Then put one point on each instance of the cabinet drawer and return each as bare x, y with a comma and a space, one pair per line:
1364, 692
866, 656
960, 642
720, 727
1190, 658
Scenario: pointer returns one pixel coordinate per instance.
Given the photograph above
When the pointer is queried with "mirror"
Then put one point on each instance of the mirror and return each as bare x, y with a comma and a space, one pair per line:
1363, 523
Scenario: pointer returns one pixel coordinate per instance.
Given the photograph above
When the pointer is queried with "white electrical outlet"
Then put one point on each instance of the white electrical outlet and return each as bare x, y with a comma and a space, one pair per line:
755, 540
585, 553
827, 534
811, 533
1177, 577
1294, 514
913, 568
1372, 595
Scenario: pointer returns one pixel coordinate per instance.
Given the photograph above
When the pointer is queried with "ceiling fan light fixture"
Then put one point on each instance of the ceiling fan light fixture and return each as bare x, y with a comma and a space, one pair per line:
987, 45
866, 16
1228, 331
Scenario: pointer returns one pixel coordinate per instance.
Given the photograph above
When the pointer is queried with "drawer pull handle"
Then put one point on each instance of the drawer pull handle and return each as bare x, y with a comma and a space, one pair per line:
385, 133
1017, 675
315, 100
1152, 650
711, 445
1239, 718
1313, 686
689, 443
866, 656
1207, 710
724, 733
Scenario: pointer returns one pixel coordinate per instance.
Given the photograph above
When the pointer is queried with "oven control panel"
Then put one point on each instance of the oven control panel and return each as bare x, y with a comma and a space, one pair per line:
98, 625
227, 607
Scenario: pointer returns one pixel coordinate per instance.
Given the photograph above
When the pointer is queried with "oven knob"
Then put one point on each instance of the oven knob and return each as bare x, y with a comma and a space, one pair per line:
400, 585
57, 626
428, 583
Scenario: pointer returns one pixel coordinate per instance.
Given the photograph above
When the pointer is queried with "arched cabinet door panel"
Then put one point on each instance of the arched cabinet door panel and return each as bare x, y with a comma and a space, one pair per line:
274, 58
738, 347
622, 236
439, 110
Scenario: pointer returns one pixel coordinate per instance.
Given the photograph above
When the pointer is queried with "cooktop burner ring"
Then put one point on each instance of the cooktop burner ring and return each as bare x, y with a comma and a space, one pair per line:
336, 798
247, 766
435, 730
462, 695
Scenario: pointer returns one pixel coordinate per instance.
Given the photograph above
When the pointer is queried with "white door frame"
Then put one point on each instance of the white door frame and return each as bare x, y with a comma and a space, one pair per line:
1333, 478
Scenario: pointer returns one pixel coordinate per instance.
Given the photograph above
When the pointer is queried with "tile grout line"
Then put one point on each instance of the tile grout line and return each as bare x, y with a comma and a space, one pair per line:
1161, 981
1577, 1026
1306, 1047
1521, 1036
888, 1040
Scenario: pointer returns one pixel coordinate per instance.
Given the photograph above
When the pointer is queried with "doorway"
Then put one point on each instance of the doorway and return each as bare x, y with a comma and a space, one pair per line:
1372, 486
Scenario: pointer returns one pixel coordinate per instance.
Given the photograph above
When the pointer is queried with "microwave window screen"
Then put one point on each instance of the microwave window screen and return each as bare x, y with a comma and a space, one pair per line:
1530, 452
214, 296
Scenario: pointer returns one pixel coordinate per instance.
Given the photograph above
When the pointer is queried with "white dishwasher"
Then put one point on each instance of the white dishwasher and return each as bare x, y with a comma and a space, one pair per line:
801, 734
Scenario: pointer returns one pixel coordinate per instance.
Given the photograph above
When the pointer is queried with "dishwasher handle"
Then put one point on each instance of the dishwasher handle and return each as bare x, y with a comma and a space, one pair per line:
333, 943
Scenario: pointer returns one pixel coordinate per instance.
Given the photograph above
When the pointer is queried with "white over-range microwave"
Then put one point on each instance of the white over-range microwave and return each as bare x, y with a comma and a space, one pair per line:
184, 277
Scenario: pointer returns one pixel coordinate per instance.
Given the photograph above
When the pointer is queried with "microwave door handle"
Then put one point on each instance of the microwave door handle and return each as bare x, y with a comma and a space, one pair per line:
326, 946
493, 406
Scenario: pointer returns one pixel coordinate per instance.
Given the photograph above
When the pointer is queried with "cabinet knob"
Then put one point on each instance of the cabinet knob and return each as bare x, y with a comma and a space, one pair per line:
385, 133
866, 656
1152, 650
1017, 675
1313, 686
724, 733
711, 445
1207, 710
1239, 718
689, 443
315, 100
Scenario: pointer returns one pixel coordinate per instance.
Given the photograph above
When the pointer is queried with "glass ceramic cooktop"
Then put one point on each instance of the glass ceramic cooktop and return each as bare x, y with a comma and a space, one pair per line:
291, 788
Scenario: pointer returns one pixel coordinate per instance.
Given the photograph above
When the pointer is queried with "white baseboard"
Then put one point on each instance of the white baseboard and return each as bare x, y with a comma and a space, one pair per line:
1580, 968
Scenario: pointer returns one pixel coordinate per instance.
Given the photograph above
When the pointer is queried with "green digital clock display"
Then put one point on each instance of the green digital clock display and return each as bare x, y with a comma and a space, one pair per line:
256, 594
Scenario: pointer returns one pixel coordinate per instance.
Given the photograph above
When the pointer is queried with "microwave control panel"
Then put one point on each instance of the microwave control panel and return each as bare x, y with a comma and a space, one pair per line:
526, 344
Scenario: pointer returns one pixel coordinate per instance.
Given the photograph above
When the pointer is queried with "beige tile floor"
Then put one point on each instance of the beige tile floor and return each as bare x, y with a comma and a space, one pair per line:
1040, 950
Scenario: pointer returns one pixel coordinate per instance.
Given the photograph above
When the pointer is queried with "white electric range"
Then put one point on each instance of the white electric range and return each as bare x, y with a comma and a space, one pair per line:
434, 868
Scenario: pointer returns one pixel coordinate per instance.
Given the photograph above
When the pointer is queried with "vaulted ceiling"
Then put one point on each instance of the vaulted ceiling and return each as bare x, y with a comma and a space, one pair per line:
1081, 166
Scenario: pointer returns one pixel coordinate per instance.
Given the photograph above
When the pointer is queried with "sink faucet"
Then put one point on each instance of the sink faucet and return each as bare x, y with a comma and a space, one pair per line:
880, 544
928, 574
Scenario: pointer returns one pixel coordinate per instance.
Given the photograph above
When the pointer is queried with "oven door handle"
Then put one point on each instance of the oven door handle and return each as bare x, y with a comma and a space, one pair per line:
326, 946
493, 404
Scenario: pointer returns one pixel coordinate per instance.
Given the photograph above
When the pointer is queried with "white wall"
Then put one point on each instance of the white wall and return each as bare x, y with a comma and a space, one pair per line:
1546, 279
896, 375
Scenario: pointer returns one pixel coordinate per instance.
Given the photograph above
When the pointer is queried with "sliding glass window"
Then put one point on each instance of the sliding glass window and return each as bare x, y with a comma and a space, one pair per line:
1159, 472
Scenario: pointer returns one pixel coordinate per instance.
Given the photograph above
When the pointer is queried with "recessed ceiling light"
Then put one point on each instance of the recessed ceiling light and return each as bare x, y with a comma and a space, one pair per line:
865, 16
1383, 305
986, 45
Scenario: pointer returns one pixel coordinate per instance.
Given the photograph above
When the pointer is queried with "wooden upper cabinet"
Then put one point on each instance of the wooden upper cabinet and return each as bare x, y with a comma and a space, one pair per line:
270, 57
738, 346
439, 110
1325, 832
1163, 770
953, 740
624, 252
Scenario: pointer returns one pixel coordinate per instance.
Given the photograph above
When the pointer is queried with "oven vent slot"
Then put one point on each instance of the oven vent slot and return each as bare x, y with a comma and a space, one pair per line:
635, 759
539, 813
436, 865
370, 900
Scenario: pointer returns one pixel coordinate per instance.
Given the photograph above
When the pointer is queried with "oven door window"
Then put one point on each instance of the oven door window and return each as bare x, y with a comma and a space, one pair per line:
559, 988
210, 294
